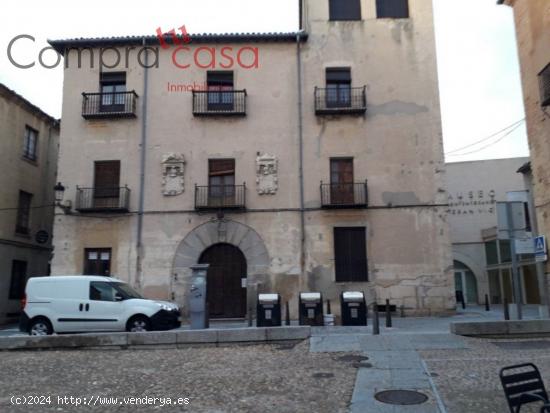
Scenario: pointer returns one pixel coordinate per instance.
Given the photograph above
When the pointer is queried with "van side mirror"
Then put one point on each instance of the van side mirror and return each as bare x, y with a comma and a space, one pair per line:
118, 297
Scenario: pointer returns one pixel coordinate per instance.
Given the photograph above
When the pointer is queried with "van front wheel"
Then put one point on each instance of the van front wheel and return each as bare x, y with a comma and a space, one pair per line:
138, 324
40, 327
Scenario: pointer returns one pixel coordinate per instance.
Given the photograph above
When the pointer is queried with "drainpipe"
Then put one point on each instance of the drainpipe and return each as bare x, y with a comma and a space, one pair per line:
301, 155
143, 149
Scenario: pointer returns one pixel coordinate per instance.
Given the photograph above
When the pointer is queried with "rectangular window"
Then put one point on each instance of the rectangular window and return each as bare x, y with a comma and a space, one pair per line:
113, 88
18, 279
544, 83
106, 183
338, 83
221, 181
350, 254
97, 261
341, 181
220, 90
30, 144
23, 213
393, 9
345, 9
491, 253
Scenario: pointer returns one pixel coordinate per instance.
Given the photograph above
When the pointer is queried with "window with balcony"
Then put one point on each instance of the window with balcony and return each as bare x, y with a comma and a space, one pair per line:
338, 97
220, 98
106, 194
23, 213
342, 191
350, 254
345, 10
30, 144
113, 100
221, 191
394, 9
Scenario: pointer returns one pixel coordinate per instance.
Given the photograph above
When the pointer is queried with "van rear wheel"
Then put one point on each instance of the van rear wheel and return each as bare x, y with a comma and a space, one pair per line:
40, 327
138, 324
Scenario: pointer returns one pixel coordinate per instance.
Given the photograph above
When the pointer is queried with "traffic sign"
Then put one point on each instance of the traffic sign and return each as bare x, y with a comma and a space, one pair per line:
541, 254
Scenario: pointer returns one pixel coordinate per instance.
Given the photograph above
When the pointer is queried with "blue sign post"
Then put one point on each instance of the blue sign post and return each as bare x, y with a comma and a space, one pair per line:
541, 254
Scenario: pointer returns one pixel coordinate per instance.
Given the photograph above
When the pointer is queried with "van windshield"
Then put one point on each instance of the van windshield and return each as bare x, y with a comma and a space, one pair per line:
127, 291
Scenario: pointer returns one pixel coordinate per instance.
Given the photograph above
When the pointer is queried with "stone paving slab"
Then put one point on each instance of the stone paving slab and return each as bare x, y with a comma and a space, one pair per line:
334, 343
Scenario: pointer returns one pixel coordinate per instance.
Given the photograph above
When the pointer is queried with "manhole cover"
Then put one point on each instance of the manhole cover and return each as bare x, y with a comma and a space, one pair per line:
323, 375
352, 357
523, 345
401, 397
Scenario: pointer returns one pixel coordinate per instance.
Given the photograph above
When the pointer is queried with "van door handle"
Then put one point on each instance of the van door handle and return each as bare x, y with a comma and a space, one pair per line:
80, 307
87, 307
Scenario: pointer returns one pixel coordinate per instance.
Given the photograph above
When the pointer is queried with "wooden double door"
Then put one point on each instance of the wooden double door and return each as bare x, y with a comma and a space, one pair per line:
225, 288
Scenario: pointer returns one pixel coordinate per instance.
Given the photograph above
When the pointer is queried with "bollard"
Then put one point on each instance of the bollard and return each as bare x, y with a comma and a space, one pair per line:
249, 317
207, 318
402, 311
506, 309
487, 308
328, 307
287, 322
388, 313
375, 320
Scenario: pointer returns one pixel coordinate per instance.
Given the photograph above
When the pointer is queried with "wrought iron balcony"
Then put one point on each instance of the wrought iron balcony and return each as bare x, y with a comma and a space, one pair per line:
109, 105
352, 195
219, 102
220, 197
103, 199
340, 101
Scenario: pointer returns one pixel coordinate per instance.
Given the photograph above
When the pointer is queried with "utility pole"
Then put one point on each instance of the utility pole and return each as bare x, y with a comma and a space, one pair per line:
515, 270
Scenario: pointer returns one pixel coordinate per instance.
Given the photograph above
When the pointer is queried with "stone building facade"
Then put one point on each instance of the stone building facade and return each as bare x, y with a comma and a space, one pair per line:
29, 141
532, 20
313, 162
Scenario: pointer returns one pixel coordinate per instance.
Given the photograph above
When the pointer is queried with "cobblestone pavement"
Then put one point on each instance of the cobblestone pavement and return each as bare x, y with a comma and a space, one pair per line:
259, 378
467, 379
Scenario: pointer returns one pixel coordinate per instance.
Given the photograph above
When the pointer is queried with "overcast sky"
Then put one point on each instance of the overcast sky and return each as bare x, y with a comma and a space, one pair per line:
478, 68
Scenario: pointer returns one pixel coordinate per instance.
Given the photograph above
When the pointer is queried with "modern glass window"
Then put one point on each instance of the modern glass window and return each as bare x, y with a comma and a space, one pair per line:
18, 279
23, 213
345, 9
394, 9
113, 86
338, 83
350, 254
491, 252
30, 144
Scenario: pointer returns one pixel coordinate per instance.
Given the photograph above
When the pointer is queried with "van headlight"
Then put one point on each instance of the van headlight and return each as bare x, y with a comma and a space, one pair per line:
165, 307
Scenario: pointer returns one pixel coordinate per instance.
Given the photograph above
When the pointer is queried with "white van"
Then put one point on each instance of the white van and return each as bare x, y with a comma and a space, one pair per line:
82, 303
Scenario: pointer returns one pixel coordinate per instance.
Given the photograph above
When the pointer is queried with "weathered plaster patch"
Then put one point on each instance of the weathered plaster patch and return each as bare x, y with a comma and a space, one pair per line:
400, 198
397, 107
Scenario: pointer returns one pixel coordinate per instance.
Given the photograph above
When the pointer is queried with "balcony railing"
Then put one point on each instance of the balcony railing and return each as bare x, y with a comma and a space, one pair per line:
340, 101
352, 195
103, 199
109, 105
220, 197
219, 102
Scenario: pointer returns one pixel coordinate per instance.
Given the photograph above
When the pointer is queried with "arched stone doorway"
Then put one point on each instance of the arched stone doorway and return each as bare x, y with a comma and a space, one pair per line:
214, 232
226, 290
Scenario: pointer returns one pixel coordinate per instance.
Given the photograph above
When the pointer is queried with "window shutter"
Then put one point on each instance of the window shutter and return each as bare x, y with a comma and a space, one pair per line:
112, 78
338, 75
544, 83
223, 78
350, 253
345, 9
221, 167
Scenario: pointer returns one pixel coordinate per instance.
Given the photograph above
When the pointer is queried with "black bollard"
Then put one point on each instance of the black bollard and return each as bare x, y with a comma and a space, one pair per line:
402, 311
375, 320
506, 309
388, 313
249, 317
328, 307
487, 308
287, 322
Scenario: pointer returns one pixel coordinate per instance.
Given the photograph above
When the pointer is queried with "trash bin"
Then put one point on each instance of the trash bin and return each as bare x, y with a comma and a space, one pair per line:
268, 310
198, 309
311, 309
354, 308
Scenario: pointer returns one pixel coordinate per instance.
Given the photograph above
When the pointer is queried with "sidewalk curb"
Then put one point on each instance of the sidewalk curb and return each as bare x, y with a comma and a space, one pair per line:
502, 328
171, 339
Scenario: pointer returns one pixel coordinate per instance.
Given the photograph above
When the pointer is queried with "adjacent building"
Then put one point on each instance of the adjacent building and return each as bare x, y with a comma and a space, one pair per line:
289, 162
532, 19
29, 141
482, 262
